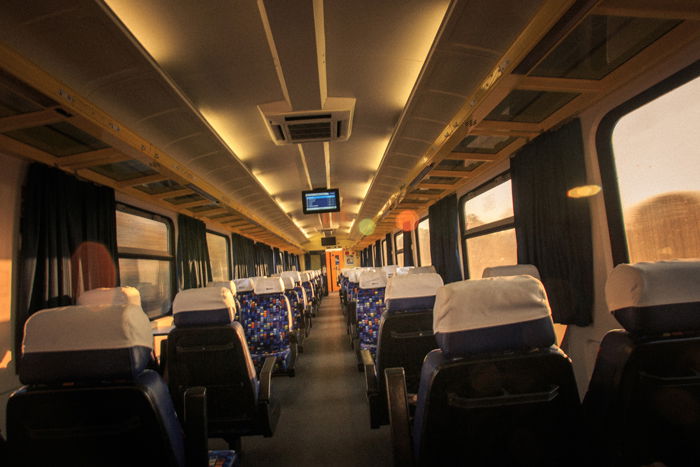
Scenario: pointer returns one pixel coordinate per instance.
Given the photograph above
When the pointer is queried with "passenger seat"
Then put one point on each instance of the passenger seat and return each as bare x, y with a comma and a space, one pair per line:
643, 401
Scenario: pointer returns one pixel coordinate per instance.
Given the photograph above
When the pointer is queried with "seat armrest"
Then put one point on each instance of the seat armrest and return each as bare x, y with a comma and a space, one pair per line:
195, 425
266, 379
399, 417
370, 372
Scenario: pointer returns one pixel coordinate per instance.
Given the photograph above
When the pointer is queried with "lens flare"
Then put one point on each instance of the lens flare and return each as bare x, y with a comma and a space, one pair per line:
367, 226
584, 191
407, 220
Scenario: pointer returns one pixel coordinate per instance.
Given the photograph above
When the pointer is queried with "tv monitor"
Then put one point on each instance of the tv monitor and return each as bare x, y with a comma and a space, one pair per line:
320, 201
328, 241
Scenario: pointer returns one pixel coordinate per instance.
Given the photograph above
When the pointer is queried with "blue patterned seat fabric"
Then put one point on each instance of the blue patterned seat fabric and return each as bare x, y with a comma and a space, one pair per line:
265, 319
294, 300
370, 306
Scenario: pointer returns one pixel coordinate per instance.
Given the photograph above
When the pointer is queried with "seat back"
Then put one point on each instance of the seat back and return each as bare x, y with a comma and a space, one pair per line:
406, 327
207, 348
294, 302
644, 396
301, 292
497, 392
370, 306
110, 296
87, 394
306, 282
244, 291
268, 323
422, 270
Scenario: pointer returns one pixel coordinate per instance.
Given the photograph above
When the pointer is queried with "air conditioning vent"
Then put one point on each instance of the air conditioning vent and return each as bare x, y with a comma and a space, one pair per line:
332, 123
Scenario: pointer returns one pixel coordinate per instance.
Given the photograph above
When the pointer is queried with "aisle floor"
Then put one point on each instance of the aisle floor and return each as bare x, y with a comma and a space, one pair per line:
325, 416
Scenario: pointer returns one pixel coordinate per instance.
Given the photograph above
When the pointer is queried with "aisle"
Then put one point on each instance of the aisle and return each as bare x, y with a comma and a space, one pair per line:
325, 417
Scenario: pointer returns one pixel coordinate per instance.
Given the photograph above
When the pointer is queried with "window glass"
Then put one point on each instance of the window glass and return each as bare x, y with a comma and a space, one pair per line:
488, 229
496, 249
490, 206
658, 169
398, 242
385, 259
218, 256
144, 243
424, 242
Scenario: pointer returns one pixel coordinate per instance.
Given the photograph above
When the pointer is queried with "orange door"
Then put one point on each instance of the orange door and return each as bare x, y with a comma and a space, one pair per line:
334, 260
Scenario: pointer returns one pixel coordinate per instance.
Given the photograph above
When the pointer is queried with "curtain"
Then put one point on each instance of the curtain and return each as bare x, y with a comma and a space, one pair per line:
554, 231
408, 248
269, 256
194, 269
378, 253
295, 262
307, 261
69, 241
286, 265
444, 238
389, 250
243, 256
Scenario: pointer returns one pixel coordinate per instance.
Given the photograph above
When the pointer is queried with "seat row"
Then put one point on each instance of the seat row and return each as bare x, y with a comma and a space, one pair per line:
214, 378
477, 376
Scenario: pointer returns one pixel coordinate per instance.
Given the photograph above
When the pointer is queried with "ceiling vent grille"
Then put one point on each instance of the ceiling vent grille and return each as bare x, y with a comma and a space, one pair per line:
333, 123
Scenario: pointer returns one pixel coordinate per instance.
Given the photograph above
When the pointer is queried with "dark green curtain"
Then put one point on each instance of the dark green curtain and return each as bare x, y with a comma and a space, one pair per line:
408, 248
389, 250
287, 264
554, 231
243, 256
307, 261
295, 262
194, 268
444, 238
69, 241
378, 253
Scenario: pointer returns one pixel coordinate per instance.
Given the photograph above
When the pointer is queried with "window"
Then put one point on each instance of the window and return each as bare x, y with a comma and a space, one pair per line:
385, 258
423, 243
650, 143
398, 243
146, 261
219, 255
488, 230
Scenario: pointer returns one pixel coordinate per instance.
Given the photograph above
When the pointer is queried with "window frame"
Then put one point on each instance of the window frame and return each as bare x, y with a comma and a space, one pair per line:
500, 225
606, 158
385, 260
418, 247
133, 210
396, 249
229, 262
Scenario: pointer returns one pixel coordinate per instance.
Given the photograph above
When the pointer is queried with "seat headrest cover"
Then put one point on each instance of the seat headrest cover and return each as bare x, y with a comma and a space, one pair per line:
110, 296
205, 298
652, 284
372, 279
82, 327
403, 270
413, 285
268, 285
345, 271
244, 285
483, 303
288, 282
422, 270
390, 270
81, 343
231, 285
305, 276
512, 270
353, 276
296, 277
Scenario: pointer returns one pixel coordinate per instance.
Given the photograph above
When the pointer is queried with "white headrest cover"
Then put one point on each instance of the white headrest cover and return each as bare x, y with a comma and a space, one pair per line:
512, 270
231, 285
305, 276
288, 282
94, 327
244, 285
268, 285
422, 270
110, 296
206, 298
354, 276
650, 284
403, 269
345, 271
483, 303
413, 285
372, 279
296, 277
390, 270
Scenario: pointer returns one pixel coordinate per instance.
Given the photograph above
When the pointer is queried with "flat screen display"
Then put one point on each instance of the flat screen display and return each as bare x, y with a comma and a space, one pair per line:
328, 241
320, 201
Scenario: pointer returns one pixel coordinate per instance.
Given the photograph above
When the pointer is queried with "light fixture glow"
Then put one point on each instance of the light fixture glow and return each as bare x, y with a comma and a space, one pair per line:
583, 191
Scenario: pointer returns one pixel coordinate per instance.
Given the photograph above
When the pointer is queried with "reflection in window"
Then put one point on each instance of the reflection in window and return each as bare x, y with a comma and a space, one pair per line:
424, 243
496, 249
144, 243
658, 169
218, 256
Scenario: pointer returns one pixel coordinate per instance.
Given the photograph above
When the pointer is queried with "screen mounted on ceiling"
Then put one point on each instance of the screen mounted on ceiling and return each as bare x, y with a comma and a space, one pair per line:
320, 201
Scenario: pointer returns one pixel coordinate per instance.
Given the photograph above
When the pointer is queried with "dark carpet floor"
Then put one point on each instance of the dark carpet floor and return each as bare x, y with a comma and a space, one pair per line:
325, 416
